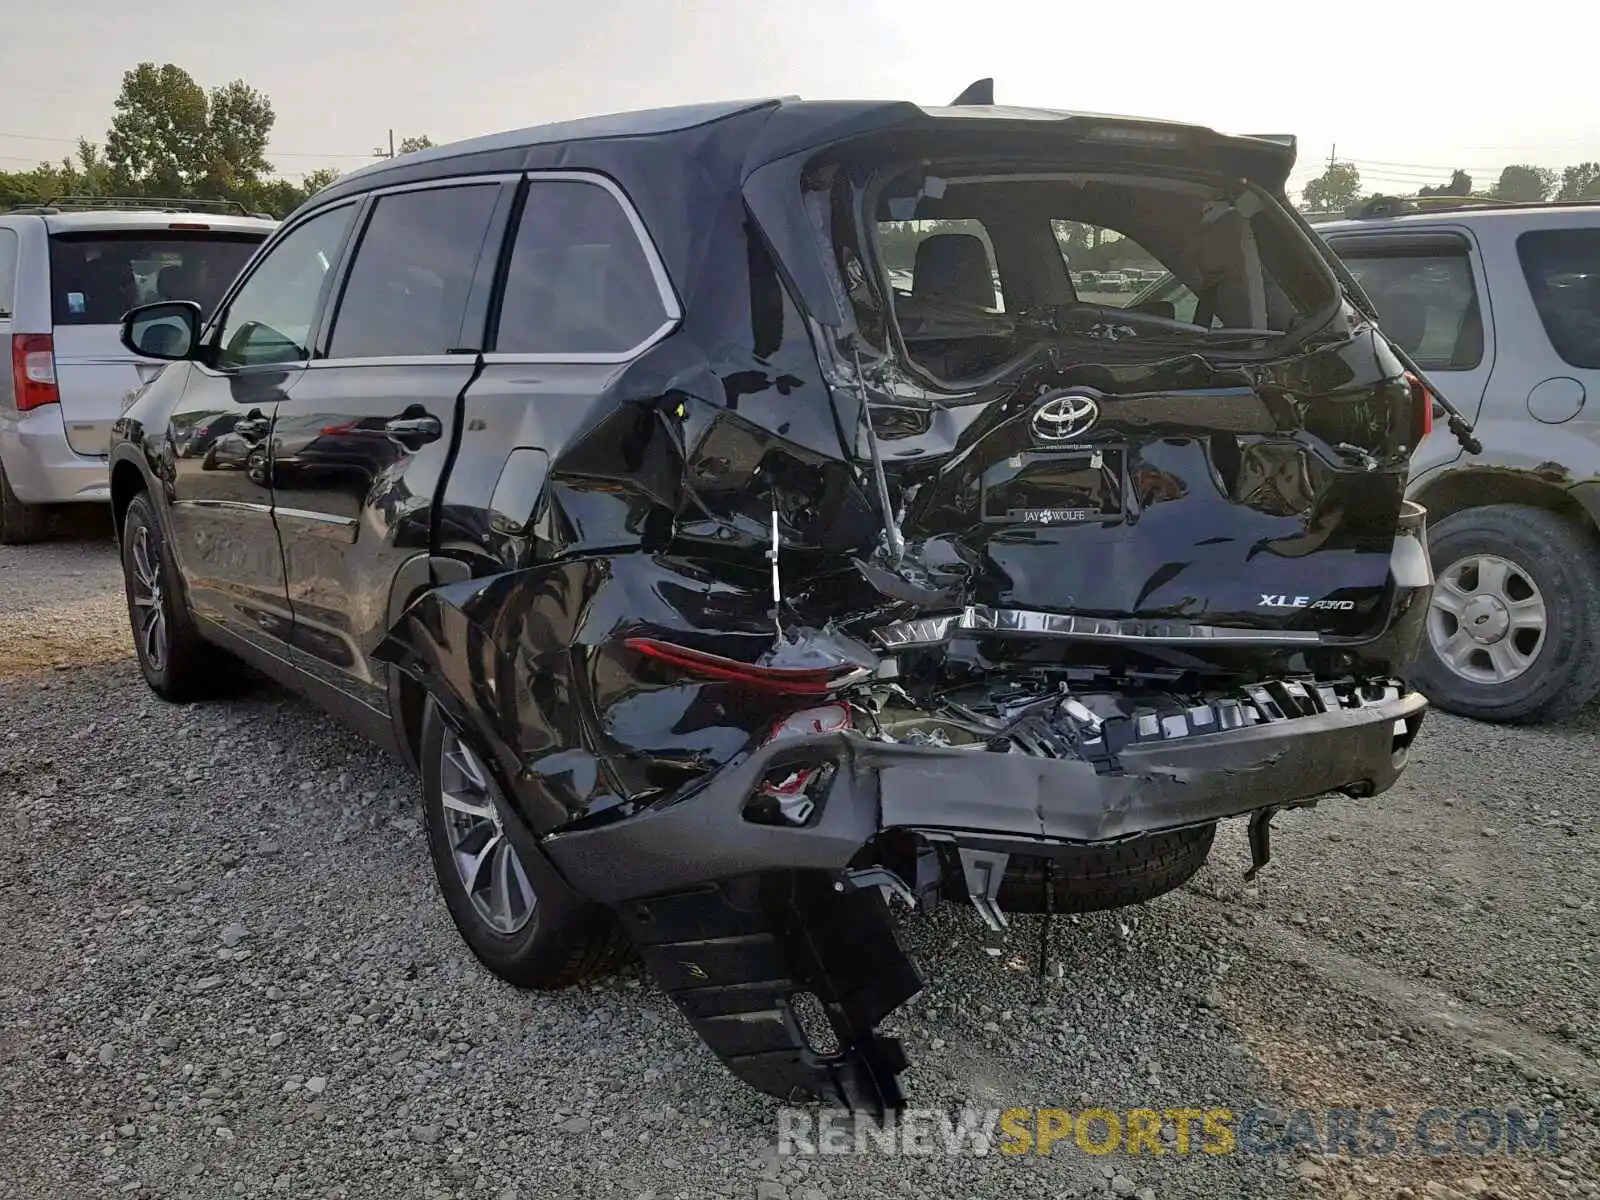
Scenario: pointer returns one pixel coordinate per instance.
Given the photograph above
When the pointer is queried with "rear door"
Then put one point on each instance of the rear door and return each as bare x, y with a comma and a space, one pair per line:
95, 277
359, 448
1432, 296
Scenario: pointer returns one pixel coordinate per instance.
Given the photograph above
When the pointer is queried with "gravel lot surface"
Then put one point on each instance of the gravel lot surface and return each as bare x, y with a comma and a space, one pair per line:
228, 973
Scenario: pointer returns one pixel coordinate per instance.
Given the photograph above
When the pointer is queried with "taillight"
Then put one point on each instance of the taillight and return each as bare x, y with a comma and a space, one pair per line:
789, 681
333, 430
33, 370
1422, 398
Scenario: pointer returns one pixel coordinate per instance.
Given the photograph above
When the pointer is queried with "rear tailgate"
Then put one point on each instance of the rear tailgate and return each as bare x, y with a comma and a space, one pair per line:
96, 276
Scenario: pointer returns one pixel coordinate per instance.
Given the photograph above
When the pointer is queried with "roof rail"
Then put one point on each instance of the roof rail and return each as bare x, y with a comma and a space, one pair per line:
1392, 206
164, 204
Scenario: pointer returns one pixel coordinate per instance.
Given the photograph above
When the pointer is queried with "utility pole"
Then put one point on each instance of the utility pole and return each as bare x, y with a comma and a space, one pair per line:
1333, 151
391, 143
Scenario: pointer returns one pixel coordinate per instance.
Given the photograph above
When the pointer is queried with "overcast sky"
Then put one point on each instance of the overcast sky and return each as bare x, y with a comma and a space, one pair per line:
1407, 89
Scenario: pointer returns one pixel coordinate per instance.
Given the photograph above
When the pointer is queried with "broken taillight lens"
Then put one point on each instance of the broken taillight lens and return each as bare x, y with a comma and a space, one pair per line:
790, 681
790, 787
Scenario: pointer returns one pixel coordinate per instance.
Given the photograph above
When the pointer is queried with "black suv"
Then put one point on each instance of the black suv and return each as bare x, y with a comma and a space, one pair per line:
742, 521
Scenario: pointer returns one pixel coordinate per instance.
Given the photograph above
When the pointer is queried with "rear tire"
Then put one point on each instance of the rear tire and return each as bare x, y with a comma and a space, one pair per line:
20, 523
177, 663
1094, 878
558, 939
1547, 561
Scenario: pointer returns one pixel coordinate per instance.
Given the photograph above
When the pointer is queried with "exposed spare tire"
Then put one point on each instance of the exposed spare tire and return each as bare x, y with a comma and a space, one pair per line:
1093, 878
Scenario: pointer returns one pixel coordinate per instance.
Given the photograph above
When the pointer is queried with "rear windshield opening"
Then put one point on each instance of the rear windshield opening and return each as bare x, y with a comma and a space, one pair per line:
95, 278
982, 270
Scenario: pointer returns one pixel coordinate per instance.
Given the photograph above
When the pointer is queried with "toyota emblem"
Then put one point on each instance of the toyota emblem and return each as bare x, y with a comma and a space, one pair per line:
1065, 417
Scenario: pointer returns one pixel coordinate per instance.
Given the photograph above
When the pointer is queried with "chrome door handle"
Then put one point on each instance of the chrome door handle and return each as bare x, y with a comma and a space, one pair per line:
427, 428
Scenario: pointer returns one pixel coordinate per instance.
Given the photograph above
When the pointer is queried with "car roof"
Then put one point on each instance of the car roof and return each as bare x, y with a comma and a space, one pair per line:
1468, 214
799, 125
109, 221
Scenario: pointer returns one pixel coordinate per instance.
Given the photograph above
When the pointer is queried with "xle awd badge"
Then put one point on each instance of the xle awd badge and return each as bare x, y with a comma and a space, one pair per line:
1306, 602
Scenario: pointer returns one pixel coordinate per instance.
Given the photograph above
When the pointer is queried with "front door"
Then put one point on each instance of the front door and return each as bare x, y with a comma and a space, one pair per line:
359, 449
222, 526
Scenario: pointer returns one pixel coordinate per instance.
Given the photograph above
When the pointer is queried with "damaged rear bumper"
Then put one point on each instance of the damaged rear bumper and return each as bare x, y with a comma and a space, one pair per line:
996, 800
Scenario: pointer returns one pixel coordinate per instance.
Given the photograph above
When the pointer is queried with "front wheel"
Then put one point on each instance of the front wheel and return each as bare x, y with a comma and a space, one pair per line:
177, 663
1514, 622
517, 916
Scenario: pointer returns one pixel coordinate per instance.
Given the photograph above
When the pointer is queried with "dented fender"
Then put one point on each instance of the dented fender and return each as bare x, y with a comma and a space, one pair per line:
534, 663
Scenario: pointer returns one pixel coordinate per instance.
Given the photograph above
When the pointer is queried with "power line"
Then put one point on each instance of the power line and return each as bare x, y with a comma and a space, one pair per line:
34, 137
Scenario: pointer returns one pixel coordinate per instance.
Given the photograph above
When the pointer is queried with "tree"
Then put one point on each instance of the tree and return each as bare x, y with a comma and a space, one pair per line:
1524, 184
1460, 185
156, 142
316, 180
1334, 190
1580, 182
407, 145
238, 123
170, 138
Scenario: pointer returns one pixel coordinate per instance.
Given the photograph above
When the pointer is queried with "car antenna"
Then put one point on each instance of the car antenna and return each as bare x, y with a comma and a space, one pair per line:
978, 92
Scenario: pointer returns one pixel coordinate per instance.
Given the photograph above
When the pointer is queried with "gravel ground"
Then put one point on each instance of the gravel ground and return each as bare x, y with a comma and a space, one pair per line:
230, 974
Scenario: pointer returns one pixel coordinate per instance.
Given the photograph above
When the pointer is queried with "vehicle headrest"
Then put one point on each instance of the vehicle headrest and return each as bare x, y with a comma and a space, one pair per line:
953, 266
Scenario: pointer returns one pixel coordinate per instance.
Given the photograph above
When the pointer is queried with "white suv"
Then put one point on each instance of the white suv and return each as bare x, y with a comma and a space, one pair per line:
1500, 306
68, 271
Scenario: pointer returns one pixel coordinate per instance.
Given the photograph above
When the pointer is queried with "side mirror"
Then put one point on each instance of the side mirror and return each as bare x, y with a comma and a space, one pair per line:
169, 330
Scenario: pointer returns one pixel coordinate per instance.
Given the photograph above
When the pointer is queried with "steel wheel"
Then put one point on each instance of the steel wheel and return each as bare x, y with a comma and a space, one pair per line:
149, 609
491, 873
1487, 619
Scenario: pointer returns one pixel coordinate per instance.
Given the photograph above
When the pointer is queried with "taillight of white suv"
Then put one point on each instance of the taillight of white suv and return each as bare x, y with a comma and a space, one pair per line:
33, 370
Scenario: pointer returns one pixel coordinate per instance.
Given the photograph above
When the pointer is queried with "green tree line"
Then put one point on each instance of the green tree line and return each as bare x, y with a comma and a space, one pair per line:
172, 138
1338, 189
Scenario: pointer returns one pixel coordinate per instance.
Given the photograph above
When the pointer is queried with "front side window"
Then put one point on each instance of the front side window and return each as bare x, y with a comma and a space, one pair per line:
412, 273
1562, 267
96, 277
580, 281
271, 317
1427, 303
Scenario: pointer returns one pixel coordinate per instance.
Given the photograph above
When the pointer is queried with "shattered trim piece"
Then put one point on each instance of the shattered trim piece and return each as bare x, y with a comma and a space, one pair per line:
978, 618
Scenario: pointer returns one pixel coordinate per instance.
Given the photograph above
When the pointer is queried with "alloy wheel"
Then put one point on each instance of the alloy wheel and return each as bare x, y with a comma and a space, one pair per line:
149, 608
491, 874
1487, 619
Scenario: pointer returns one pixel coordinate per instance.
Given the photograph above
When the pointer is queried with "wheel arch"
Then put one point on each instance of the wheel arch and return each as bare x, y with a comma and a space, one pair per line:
407, 697
127, 481
1457, 491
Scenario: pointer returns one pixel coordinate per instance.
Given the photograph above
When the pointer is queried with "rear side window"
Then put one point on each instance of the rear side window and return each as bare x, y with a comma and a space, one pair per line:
413, 271
580, 281
1563, 271
95, 278
8, 271
1426, 299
